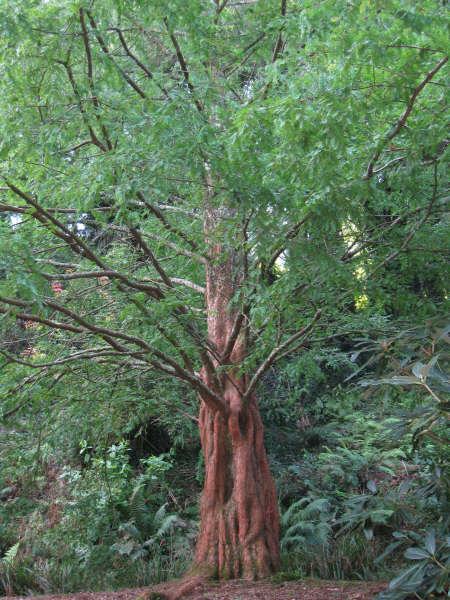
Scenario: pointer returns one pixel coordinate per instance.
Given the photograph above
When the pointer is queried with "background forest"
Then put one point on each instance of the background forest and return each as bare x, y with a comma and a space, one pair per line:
316, 135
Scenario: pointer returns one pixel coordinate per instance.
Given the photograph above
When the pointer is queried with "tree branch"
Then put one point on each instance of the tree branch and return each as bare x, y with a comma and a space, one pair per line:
94, 138
35, 318
183, 65
237, 325
77, 245
401, 122
246, 49
158, 214
80, 275
276, 352
82, 355
276, 52
91, 79
219, 9
105, 50
138, 62
279, 42
290, 235
169, 366
349, 253
137, 236
412, 232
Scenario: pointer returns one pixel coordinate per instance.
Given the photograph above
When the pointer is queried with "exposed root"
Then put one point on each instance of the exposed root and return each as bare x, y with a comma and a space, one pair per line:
175, 590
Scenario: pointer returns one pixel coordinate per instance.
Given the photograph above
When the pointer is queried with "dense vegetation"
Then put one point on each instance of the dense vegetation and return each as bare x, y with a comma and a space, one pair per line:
205, 202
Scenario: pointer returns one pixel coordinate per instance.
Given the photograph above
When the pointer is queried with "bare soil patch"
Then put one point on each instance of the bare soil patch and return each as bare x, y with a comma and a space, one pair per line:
234, 590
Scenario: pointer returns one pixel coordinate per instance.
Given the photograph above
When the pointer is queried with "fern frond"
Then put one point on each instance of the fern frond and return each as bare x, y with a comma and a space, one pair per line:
166, 525
138, 509
10, 555
160, 514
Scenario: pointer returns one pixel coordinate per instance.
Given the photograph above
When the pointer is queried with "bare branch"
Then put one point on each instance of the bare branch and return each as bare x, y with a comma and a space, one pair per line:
188, 284
89, 353
237, 325
279, 42
246, 49
78, 146
219, 9
137, 236
94, 138
389, 164
156, 238
80, 275
184, 282
36, 318
170, 207
13, 209
276, 52
64, 211
91, 79
153, 39
56, 263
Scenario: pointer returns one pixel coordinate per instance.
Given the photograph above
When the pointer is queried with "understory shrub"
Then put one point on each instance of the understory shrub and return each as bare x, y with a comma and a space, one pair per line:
108, 526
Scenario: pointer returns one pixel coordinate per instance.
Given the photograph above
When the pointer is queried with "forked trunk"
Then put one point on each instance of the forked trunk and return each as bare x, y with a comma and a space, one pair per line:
239, 510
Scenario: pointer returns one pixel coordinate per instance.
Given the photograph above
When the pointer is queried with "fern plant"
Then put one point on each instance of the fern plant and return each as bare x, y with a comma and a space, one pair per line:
7, 561
145, 528
7, 564
307, 522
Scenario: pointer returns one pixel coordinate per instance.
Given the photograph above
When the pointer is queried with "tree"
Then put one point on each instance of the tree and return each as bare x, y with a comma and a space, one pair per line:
212, 172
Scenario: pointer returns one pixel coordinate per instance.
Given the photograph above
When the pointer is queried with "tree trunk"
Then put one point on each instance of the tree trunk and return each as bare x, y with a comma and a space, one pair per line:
239, 510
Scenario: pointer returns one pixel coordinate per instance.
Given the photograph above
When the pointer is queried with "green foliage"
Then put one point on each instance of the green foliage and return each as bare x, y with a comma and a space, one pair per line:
371, 480
10, 555
77, 538
326, 160
305, 523
7, 567
429, 574
373, 510
348, 558
424, 364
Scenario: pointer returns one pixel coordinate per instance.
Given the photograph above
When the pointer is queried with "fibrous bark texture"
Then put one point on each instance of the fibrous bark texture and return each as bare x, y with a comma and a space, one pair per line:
239, 510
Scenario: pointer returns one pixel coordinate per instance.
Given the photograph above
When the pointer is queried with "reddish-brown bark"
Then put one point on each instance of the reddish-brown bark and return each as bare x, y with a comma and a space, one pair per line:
239, 511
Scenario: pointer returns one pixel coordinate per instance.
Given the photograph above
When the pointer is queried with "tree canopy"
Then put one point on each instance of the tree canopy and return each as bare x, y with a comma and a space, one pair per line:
197, 190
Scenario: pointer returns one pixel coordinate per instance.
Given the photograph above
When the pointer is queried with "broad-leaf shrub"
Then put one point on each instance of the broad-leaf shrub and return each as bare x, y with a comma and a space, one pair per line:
429, 572
419, 360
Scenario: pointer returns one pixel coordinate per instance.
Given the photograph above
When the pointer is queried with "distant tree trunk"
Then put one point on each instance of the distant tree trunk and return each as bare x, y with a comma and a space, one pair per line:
239, 510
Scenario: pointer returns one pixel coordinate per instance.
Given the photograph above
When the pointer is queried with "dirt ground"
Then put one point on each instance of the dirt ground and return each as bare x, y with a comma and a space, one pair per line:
234, 590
